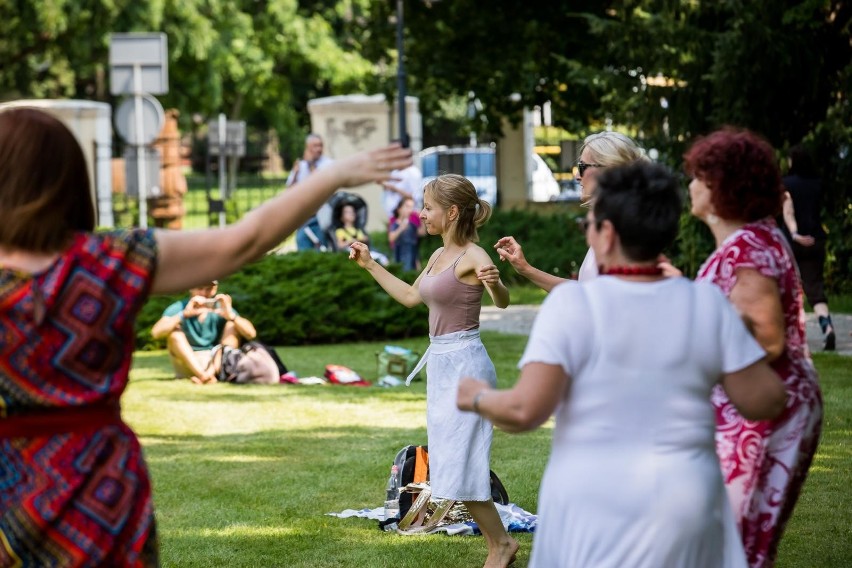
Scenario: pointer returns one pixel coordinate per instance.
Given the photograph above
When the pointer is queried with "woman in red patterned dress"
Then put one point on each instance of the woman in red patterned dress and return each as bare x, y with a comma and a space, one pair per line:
74, 488
736, 191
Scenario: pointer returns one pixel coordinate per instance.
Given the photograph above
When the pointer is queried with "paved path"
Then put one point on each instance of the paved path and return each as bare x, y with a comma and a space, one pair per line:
518, 319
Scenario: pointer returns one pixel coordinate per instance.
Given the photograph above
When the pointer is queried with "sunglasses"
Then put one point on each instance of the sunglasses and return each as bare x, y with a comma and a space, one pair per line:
585, 223
583, 166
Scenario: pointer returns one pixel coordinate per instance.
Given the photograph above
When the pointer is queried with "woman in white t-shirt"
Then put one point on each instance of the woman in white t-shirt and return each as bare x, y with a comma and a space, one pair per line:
626, 362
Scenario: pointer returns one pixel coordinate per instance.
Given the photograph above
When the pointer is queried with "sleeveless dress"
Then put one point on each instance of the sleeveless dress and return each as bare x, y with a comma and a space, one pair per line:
459, 442
633, 478
74, 488
765, 463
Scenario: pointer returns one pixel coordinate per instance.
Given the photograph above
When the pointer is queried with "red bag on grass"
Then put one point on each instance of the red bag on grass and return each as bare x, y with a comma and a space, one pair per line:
340, 375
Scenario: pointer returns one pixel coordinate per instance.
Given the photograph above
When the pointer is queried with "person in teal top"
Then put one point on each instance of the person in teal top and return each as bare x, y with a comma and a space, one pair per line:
193, 327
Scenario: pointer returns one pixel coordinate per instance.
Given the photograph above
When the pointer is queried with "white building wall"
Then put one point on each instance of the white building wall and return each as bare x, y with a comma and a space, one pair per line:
90, 122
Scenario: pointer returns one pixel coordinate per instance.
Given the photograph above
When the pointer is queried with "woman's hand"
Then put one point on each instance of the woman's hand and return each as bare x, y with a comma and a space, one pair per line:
510, 249
374, 166
804, 240
669, 270
360, 253
468, 389
488, 274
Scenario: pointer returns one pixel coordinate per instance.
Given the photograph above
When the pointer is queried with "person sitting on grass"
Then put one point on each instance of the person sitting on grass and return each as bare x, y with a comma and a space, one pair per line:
194, 326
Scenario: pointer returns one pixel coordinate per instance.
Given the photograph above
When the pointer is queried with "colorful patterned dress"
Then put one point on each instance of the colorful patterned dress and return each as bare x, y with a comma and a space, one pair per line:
74, 489
765, 463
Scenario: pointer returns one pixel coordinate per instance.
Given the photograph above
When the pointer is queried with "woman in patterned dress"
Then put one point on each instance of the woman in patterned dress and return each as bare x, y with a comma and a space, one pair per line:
74, 488
736, 191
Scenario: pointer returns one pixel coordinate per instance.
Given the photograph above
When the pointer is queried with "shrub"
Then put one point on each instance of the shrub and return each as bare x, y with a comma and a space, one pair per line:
554, 242
307, 298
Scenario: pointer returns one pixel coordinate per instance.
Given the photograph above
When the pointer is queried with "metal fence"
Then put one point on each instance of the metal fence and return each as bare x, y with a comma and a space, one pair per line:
203, 201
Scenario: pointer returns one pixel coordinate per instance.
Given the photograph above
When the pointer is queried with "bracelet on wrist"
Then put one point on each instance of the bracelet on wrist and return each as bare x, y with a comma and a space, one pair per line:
477, 398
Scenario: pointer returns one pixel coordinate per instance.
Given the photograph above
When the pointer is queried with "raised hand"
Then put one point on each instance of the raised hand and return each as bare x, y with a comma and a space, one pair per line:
374, 166
360, 253
510, 249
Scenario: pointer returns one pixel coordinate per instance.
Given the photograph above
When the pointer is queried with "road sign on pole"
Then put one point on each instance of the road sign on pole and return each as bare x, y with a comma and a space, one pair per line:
138, 65
147, 52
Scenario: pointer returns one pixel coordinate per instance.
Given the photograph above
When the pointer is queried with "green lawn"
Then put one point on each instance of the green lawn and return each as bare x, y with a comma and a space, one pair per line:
243, 475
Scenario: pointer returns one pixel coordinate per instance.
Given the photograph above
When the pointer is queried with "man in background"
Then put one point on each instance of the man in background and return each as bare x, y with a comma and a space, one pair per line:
194, 326
309, 236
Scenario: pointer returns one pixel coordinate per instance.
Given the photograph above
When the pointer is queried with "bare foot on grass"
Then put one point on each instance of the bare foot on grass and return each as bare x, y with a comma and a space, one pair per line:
203, 380
504, 555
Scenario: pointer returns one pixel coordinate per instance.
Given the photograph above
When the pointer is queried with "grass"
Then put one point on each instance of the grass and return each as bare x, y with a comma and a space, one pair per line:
243, 475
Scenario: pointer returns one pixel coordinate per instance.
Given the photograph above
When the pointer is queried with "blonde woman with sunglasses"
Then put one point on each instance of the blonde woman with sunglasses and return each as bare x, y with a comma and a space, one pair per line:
600, 151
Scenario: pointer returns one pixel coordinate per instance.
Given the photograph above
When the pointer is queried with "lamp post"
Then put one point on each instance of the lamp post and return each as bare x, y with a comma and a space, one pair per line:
400, 71
400, 77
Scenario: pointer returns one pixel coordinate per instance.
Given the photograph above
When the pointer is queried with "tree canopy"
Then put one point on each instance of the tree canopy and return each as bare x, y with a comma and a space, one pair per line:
665, 70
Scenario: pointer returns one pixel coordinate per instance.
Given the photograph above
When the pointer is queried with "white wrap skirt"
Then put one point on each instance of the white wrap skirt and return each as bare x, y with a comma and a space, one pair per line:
459, 442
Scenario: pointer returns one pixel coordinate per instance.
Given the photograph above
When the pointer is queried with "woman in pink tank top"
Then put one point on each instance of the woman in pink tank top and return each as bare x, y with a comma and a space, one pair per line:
451, 286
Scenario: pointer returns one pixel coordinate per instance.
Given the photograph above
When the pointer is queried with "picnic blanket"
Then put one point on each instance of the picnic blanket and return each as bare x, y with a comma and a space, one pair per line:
514, 518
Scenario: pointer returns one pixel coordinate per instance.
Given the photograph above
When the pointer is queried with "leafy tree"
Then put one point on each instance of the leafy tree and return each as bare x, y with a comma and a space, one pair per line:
666, 70
257, 60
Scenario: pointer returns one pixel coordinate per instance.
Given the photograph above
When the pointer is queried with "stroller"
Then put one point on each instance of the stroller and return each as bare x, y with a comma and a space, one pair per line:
328, 218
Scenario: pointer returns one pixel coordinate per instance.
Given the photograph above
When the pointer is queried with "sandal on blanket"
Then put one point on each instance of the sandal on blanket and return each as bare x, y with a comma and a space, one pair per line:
443, 507
417, 513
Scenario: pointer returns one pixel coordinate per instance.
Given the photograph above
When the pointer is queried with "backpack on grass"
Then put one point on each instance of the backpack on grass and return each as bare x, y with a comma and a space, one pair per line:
252, 363
419, 513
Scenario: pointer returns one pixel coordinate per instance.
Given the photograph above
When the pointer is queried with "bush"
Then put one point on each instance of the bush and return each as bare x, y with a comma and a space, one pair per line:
554, 243
307, 298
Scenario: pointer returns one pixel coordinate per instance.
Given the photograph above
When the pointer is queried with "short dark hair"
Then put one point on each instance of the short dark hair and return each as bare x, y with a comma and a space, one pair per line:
741, 171
642, 201
801, 162
44, 184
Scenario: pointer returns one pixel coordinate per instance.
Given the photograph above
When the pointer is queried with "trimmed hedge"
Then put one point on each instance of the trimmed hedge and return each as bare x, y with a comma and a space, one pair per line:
552, 242
307, 298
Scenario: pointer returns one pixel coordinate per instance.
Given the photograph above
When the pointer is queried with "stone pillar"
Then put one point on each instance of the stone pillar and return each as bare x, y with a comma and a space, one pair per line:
352, 123
514, 167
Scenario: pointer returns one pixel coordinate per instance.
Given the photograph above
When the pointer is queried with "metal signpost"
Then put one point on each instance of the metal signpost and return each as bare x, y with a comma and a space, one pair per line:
226, 139
139, 65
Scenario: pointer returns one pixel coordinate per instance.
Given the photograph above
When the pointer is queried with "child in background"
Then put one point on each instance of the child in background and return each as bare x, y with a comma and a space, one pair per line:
404, 234
348, 233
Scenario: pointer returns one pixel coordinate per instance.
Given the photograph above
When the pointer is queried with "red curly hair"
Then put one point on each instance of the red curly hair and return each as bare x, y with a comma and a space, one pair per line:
740, 169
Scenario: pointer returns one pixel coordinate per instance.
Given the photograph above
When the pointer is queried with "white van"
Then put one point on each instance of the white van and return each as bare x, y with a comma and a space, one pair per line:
475, 163
544, 185
478, 164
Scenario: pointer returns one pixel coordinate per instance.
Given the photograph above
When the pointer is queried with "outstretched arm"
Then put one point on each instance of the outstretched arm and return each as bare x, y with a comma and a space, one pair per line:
191, 258
510, 249
406, 294
525, 406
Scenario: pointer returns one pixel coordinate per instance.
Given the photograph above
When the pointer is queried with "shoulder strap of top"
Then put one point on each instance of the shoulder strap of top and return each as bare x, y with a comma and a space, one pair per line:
459, 258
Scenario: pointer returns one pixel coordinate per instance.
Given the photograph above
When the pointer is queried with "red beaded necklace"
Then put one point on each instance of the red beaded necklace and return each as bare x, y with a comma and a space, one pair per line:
631, 270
